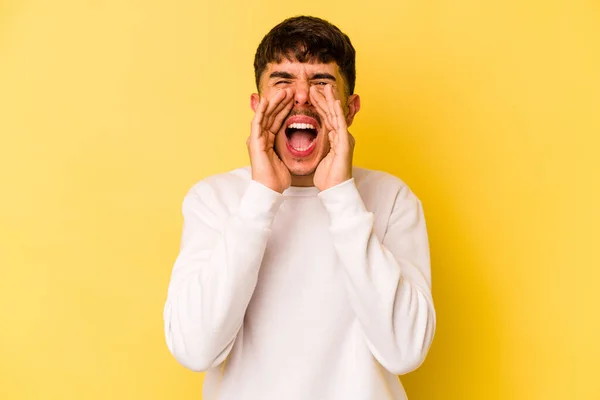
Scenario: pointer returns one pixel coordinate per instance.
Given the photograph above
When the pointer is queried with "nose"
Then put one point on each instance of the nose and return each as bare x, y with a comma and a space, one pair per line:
302, 94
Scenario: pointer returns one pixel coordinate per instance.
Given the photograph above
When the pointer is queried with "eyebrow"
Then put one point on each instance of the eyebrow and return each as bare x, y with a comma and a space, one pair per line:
323, 75
287, 75
281, 74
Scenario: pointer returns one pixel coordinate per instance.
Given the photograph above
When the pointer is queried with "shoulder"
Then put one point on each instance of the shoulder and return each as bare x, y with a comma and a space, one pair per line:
225, 188
223, 181
377, 186
389, 198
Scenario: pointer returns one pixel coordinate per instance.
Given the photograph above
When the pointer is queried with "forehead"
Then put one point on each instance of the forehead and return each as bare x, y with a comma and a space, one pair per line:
302, 69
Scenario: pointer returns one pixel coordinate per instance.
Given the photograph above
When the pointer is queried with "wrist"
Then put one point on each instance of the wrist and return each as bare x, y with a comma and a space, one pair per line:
335, 181
343, 201
259, 203
271, 179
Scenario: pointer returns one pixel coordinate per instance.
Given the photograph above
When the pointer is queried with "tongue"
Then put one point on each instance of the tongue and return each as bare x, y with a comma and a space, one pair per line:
301, 139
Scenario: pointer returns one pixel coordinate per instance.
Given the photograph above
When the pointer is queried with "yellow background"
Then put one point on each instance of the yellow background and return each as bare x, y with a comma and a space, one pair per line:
110, 111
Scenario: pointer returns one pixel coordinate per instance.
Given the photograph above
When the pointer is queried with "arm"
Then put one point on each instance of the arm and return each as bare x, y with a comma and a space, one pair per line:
217, 269
215, 273
388, 281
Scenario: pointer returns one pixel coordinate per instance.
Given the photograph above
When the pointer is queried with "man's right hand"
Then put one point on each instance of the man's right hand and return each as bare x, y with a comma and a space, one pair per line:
267, 167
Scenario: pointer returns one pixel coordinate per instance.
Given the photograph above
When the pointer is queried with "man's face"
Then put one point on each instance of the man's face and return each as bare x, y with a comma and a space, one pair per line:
302, 142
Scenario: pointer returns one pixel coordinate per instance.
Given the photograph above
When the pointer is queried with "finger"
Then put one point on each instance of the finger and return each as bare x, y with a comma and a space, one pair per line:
331, 106
258, 117
274, 103
320, 103
281, 116
344, 136
281, 103
339, 115
319, 100
328, 105
285, 102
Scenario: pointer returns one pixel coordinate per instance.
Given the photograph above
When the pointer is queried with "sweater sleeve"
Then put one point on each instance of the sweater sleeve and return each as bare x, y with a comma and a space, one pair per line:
215, 273
388, 280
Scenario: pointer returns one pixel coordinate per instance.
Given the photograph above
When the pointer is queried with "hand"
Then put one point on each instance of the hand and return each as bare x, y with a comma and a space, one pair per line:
336, 167
267, 167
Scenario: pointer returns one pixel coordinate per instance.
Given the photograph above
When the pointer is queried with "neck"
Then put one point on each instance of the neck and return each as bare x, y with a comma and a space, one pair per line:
303, 181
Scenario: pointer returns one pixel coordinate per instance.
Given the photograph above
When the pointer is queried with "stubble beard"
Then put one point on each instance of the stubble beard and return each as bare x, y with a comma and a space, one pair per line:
298, 171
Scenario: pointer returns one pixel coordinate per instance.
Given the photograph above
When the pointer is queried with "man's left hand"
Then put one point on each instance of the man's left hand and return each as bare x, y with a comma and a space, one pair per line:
336, 167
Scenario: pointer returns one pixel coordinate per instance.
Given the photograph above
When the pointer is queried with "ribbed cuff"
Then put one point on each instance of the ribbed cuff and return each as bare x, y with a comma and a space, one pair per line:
259, 204
343, 202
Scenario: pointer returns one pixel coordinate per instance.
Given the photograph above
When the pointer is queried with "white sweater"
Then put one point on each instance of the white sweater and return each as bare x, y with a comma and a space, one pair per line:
301, 295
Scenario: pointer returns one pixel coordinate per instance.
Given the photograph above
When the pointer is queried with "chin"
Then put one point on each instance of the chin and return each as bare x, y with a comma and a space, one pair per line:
301, 170
299, 166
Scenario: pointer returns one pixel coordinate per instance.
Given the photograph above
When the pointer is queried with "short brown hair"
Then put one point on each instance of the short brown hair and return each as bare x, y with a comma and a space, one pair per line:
307, 39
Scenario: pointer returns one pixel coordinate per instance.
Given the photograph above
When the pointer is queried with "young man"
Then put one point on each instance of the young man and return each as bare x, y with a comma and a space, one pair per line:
302, 277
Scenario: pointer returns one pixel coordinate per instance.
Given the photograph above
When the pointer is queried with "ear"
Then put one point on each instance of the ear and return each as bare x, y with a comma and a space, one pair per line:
254, 100
353, 108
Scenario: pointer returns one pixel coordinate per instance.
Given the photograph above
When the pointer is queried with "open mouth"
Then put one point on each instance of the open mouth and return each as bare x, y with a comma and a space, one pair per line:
301, 132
